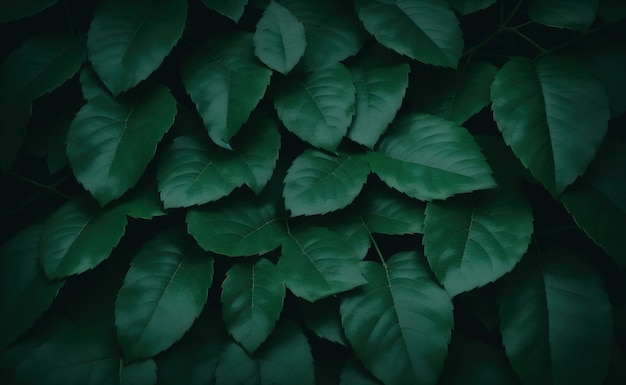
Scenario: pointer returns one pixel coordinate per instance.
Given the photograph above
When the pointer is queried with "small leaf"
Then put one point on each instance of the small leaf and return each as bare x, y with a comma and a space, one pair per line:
427, 157
279, 39
233, 9
110, 142
323, 318
473, 240
91, 85
399, 323
164, 291
128, 40
318, 106
470, 6
556, 320
11, 10
424, 30
317, 263
79, 236
385, 211
317, 183
578, 15
226, 82
252, 298
553, 113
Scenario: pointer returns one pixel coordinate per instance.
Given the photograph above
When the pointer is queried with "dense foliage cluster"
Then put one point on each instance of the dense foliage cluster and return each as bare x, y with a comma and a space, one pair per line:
296, 191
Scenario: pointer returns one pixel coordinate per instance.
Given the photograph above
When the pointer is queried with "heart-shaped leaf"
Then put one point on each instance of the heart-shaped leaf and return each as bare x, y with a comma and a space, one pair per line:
578, 15
233, 9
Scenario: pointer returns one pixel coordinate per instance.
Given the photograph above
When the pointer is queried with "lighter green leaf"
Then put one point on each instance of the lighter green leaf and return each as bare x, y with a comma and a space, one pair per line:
279, 39
110, 142
578, 15
233, 9
318, 106
317, 183
128, 40
25, 292
427, 157
252, 298
226, 82
164, 291
553, 114
317, 263
556, 320
470, 6
237, 227
473, 240
424, 30
399, 323
78, 236
322, 318
385, 211
16, 9
598, 201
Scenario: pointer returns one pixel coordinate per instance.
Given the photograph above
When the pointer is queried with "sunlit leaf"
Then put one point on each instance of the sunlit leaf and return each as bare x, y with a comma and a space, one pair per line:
233, 9
578, 15
16, 9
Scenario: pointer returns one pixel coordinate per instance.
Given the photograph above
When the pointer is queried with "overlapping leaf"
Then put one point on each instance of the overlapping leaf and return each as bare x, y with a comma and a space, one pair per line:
399, 323
164, 291
110, 142
553, 113
16, 9
233, 9
469, 6
128, 40
427, 157
353, 373
226, 82
318, 106
385, 211
578, 15
556, 320
323, 318
424, 30
252, 298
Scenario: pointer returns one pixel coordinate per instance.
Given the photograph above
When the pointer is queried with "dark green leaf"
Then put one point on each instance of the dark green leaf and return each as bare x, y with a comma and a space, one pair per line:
91, 85
385, 211
138, 373
353, 373
578, 15
142, 202
233, 9
469, 6
16, 9
324, 319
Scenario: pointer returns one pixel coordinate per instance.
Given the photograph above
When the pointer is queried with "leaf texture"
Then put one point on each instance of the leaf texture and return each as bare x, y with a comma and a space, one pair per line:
389, 212
323, 318
578, 15
233, 9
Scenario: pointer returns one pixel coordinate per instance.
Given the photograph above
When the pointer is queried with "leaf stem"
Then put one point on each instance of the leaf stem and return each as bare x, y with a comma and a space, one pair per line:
50, 188
542, 50
380, 254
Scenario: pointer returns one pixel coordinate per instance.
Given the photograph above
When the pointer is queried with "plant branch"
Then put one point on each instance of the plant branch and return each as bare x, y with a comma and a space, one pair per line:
51, 188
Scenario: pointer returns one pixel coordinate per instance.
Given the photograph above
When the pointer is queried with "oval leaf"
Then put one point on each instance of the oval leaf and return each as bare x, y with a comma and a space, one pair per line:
553, 113
164, 291
578, 15
11, 10
399, 323
233, 9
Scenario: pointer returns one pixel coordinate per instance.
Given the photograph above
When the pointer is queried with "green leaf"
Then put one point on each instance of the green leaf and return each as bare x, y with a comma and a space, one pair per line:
470, 6
473, 240
233, 9
318, 106
424, 30
317, 183
25, 292
110, 142
455, 95
91, 85
399, 323
142, 202
237, 227
380, 88
385, 211
578, 15
252, 298
164, 291
427, 157
279, 38
226, 82
284, 359
598, 201
316, 263
323, 318
553, 114
11, 10
40, 65
128, 40
556, 320
79, 236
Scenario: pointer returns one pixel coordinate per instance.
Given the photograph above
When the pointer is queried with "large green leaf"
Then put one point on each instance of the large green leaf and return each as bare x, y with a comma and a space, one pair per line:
237, 227
598, 201
226, 82
557, 326
233, 9
37, 67
164, 291
469, 6
399, 323
578, 15
16, 9
323, 318
427, 157
553, 113
128, 40
279, 39
317, 183
25, 292
380, 88
78, 236
110, 142
473, 240
386, 211
318, 106
316, 263
424, 30
285, 359
252, 298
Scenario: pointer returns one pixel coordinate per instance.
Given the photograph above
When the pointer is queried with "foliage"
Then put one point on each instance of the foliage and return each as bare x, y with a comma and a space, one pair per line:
295, 191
